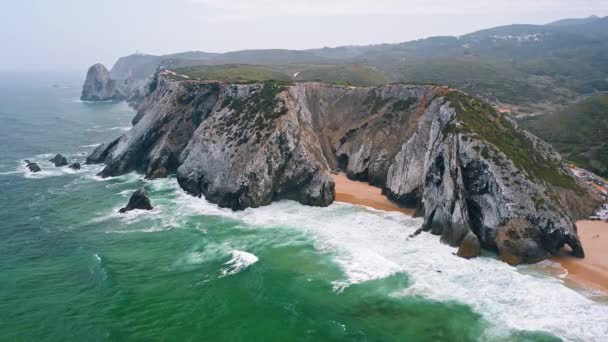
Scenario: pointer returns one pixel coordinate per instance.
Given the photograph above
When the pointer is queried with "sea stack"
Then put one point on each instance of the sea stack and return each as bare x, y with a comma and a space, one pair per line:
33, 167
139, 200
99, 86
59, 160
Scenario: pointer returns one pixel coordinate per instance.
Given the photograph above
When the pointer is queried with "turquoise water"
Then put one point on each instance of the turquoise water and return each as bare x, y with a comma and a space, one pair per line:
72, 269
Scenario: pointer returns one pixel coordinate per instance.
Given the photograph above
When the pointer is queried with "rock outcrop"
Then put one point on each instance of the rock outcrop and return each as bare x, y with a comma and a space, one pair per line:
75, 166
100, 153
99, 86
33, 167
478, 179
59, 160
139, 200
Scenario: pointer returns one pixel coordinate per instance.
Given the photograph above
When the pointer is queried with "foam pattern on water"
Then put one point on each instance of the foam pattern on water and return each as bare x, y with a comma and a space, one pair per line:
239, 261
48, 169
372, 244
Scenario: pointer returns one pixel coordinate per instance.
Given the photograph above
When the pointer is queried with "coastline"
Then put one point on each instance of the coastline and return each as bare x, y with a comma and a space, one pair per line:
592, 271
360, 193
589, 273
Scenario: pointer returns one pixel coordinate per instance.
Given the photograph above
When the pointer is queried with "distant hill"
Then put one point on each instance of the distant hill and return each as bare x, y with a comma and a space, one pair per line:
579, 132
535, 67
539, 71
574, 21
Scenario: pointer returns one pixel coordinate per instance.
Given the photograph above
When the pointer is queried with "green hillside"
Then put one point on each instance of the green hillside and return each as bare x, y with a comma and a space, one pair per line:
579, 132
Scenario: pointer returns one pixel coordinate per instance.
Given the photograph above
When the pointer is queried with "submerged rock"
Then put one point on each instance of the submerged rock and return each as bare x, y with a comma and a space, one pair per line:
99, 86
139, 200
33, 167
59, 160
75, 166
478, 180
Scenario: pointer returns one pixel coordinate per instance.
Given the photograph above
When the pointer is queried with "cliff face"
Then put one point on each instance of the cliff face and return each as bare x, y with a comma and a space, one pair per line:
478, 180
99, 86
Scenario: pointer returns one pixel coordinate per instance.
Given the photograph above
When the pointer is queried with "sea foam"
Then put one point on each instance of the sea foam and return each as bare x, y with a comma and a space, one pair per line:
239, 261
371, 244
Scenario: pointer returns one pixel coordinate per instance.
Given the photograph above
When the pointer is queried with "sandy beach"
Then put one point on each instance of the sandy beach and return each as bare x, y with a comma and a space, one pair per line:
590, 272
361, 193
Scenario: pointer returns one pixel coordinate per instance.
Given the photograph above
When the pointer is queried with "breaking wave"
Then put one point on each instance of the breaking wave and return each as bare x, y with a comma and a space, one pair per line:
372, 244
239, 261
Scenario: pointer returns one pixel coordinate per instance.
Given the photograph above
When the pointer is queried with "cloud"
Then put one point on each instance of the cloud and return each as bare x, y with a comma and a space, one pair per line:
273, 8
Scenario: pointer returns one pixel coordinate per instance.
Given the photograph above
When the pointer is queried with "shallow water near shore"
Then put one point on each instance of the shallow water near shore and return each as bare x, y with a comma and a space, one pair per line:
71, 268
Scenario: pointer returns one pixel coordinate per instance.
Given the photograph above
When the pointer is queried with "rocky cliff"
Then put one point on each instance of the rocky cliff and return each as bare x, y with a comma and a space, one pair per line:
99, 86
476, 178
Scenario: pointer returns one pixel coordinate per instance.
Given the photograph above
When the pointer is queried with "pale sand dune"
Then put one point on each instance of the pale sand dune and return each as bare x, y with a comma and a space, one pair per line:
590, 272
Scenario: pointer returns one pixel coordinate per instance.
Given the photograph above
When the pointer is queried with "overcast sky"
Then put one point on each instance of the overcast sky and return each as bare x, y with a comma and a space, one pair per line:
73, 34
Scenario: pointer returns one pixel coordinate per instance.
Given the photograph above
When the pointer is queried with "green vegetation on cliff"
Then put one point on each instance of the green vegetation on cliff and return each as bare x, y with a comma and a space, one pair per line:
265, 101
349, 74
483, 121
579, 132
233, 73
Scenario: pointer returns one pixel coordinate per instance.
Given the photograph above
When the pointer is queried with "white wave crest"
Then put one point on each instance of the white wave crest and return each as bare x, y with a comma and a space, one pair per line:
48, 169
77, 100
239, 261
108, 129
371, 244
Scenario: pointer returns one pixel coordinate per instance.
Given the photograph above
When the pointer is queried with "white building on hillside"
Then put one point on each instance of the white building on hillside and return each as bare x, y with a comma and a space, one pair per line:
603, 212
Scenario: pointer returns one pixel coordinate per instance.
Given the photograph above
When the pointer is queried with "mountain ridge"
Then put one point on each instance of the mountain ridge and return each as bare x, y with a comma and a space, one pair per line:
530, 68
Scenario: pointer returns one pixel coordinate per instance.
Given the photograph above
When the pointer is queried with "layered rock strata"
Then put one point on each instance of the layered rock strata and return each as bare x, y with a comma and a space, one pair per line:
478, 180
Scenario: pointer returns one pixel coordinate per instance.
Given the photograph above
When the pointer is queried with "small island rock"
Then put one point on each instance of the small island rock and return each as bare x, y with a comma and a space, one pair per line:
99, 86
59, 160
139, 200
33, 167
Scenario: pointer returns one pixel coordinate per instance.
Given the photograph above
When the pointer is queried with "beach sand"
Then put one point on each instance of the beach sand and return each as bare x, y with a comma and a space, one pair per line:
590, 272
361, 193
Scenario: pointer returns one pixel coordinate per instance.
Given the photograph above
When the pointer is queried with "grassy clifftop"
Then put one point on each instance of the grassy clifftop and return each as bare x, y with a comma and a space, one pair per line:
352, 74
483, 122
344, 74
234, 73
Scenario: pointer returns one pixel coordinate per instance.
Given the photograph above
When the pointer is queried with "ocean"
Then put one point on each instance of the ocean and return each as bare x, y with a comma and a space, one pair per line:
73, 269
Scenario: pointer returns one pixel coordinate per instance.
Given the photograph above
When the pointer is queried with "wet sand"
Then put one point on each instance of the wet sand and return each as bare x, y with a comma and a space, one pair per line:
361, 193
590, 272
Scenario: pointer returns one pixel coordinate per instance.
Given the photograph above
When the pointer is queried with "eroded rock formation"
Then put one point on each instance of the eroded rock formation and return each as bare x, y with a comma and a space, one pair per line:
139, 200
478, 180
99, 86
33, 167
59, 160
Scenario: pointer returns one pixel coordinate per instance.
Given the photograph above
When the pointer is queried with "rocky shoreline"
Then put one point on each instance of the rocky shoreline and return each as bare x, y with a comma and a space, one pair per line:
476, 178
590, 273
